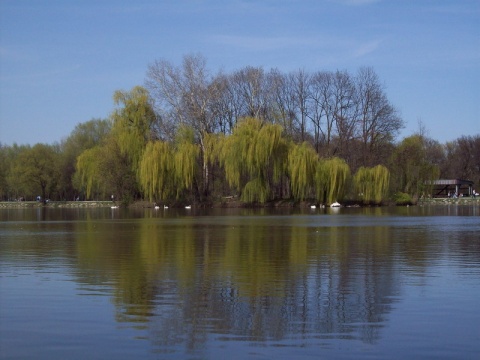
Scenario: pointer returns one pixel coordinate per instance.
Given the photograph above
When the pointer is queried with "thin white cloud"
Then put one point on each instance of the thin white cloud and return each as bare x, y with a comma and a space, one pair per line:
271, 43
258, 43
327, 50
366, 48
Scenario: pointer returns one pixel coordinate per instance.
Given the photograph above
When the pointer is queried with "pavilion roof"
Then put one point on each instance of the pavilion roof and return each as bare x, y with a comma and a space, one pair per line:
451, 182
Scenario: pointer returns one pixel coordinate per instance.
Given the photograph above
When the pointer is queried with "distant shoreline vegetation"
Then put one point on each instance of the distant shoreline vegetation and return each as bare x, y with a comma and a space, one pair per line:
190, 136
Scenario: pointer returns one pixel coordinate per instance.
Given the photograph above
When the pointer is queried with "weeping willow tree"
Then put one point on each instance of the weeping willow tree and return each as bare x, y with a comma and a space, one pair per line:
211, 150
213, 144
104, 169
256, 190
133, 122
167, 170
236, 150
185, 158
87, 171
271, 151
372, 183
157, 172
331, 178
253, 156
302, 167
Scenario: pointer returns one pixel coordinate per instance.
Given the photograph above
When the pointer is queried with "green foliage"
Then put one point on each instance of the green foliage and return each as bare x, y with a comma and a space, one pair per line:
271, 151
401, 198
36, 170
133, 122
230, 156
185, 157
413, 171
157, 174
89, 171
372, 183
239, 156
4, 171
255, 190
103, 170
11, 188
331, 178
85, 136
166, 170
302, 168
113, 165
212, 147
256, 152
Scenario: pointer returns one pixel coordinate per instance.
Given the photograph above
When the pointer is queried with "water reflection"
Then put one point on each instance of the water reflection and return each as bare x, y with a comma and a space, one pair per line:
253, 277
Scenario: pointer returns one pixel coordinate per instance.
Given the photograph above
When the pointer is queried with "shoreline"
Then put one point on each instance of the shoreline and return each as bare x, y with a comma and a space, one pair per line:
223, 204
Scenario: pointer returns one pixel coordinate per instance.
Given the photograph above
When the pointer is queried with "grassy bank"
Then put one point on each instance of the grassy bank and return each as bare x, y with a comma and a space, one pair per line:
55, 204
450, 201
224, 203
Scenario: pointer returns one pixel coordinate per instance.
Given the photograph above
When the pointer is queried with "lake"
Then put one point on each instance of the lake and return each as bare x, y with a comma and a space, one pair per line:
363, 283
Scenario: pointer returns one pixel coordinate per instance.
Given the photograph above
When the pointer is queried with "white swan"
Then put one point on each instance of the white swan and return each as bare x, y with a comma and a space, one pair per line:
188, 207
157, 207
313, 206
165, 206
114, 207
335, 204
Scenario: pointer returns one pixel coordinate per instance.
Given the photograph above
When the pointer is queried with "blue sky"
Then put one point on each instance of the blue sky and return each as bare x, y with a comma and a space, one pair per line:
62, 60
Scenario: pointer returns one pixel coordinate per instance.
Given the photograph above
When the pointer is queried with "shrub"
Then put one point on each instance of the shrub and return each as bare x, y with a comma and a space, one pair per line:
402, 199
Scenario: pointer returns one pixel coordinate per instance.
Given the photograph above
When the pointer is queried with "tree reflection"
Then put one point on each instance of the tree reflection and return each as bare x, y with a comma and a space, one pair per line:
186, 281
252, 281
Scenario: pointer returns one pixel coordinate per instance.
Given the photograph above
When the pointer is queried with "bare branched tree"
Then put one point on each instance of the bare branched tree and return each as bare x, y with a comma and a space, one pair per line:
378, 120
345, 112
187, 95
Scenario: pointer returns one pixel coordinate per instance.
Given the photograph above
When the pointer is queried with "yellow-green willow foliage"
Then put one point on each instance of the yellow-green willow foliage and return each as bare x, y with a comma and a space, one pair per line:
104, 168
238, 154
372, 183
212, 147
132, 123
87, 167
272, 151
331, 178
254, 154
256, 190
157, 173
185, 158
302, 167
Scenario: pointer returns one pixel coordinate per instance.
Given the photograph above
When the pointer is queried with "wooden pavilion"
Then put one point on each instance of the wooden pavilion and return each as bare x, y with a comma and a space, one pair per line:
450, 188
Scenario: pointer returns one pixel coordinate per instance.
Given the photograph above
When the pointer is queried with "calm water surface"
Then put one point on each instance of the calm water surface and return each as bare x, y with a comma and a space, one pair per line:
383, 283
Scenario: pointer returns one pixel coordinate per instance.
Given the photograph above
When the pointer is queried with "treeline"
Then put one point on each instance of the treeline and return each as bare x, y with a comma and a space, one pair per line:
191, 136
